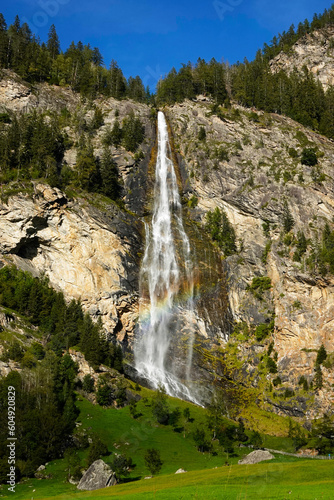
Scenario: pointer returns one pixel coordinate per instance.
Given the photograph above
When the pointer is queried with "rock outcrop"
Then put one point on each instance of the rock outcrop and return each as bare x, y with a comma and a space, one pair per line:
315, 51
89, 254
256, 457
99, 475
249, 166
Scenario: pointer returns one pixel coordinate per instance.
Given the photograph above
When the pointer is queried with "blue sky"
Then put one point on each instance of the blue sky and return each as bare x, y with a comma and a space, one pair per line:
149, 37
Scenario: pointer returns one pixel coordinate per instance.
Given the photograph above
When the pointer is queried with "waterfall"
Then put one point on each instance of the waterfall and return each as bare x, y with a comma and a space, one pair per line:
166, 323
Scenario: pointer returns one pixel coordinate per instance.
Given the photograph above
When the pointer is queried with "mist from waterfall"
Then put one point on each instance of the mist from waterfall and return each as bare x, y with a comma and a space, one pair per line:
167, 285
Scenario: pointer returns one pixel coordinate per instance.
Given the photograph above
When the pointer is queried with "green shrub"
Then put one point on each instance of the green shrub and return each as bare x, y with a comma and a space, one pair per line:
121, 466
266, 252
88, 383
287, 240
263, 330
241, 327
96, 450
309, 157
303, 381
301, 138
104, 395
238, 146
28, 360
287, 219
293, 153
221, 230
254, 117
259, 285
192, 202
255, 439
160, 407
287, 176
266, 228
271, 365
270, 348
15, 351
5, 118
301, 246
321, 356
317, 175
202, 134
37, 350
222, 154
201, 440
153, 460
288, 393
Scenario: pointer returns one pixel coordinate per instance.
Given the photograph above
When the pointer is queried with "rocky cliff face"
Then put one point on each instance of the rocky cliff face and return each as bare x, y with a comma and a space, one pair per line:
260, 174
315, 51
88, 254
249, 165
89, 248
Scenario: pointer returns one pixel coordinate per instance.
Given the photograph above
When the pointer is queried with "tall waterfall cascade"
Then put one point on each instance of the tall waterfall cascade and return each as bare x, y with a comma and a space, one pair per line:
164, 340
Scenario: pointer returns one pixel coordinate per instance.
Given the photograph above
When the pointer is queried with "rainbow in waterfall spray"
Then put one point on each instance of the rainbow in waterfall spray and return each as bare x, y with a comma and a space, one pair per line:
167, 284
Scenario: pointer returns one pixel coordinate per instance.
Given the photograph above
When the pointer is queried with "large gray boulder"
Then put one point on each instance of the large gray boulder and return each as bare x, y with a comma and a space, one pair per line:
99, 475
256, 456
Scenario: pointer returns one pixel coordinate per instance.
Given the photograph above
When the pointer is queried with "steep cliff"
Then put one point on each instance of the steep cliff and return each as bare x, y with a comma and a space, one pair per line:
249, 164
315, 51
89, 254
87, 245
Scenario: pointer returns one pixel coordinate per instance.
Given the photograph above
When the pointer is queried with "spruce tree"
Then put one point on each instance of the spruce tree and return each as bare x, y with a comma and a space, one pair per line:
3, 42
53, 44
321, 356
109, 175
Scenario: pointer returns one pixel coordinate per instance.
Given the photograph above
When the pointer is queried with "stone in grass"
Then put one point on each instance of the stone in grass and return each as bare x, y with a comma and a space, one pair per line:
180, 471
99, 475
256, 456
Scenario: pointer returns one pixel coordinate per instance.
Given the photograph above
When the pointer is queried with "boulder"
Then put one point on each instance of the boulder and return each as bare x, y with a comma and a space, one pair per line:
180, 471
256, 456
99, 475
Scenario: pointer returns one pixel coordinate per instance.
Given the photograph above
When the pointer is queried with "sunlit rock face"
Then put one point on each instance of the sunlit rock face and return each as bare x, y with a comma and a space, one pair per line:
315, 51
252, 183
95, 253
87, 254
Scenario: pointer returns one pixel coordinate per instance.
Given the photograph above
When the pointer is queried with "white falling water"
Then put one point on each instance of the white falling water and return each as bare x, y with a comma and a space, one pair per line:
167, 275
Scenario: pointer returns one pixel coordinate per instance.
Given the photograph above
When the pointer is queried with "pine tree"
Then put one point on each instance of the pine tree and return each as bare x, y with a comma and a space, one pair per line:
117, 82
153, 460
318, 379
3, 42
321, 356
116, 134
86, 167
109, 175
53, 44
136, 89
132, 132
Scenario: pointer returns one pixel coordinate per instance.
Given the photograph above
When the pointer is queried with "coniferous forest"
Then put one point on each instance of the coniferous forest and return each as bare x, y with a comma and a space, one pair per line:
80, 66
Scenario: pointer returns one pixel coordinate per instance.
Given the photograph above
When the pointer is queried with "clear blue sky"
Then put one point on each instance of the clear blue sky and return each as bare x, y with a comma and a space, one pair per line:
149, 37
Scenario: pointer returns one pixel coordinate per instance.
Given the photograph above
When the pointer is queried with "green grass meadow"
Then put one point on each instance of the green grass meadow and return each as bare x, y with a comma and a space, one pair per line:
304, 480
207, 478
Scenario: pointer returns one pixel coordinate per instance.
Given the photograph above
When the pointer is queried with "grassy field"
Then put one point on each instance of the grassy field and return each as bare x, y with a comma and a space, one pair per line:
304, 480
207, 475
